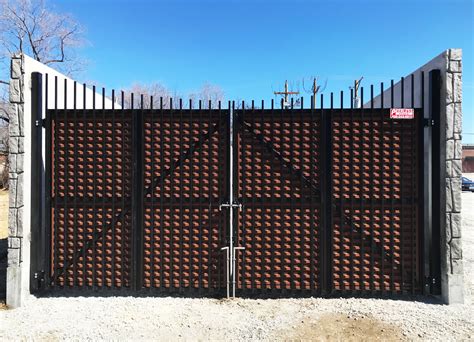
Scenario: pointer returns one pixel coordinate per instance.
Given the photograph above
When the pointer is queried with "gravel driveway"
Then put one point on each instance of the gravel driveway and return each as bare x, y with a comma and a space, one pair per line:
127, 318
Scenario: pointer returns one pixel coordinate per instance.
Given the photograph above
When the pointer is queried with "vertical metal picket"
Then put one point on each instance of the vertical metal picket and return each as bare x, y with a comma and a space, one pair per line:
137, 198
326, 200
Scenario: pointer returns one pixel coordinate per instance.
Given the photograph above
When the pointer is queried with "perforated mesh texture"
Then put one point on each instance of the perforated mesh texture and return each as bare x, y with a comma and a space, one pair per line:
278, 184
375, 202
374, 236
185, 170
91, 219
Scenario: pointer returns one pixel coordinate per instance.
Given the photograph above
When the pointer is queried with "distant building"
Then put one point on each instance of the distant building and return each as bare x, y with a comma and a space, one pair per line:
468, 158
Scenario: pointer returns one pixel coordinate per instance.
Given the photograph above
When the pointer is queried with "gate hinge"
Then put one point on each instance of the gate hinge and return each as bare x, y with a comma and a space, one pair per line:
39, 276
428, 122
41, 122
429, 281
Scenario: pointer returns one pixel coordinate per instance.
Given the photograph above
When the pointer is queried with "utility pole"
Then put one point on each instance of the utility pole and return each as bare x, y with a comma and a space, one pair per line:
356, 99
314, 90
286, 93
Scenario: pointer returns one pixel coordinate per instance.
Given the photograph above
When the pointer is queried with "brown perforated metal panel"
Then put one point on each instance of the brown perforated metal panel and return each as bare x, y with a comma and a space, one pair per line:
372, 238
185, 177
91, 187
375, 202
278, 185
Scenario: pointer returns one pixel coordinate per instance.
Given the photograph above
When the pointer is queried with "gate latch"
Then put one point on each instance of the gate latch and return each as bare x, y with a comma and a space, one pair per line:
228, 205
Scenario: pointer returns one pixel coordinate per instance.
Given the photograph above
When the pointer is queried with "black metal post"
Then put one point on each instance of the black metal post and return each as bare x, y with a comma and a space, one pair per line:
47, 209
326, 201
438, 181
426, 187
38, 248
137, 199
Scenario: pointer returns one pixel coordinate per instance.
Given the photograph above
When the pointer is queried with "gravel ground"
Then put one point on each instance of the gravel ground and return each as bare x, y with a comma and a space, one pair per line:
127, 318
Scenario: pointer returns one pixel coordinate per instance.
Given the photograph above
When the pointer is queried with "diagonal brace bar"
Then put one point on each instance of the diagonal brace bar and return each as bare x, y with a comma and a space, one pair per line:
298, 173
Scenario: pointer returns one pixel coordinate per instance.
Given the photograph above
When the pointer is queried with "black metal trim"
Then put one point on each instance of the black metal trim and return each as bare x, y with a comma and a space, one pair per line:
425, 138
47, 223
438, 181
326, 201
137, 200
38, 234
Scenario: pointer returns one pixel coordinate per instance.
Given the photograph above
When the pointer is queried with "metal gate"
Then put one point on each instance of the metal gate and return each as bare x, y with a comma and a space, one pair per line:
253, 201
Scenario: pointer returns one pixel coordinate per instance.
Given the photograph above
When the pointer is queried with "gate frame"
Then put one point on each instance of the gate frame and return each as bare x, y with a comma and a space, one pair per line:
137, 248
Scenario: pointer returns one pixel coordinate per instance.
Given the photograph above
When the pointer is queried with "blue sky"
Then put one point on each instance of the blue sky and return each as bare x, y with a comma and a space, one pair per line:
249, 48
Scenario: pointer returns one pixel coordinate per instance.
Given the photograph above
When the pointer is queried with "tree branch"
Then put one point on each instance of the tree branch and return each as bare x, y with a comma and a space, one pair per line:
26, 26
62, 40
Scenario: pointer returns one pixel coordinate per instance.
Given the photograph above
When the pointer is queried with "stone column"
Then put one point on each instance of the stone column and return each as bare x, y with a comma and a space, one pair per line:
16, 173
451, 251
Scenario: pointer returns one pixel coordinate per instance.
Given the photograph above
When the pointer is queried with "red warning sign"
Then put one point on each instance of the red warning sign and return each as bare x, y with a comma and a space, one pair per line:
402, 113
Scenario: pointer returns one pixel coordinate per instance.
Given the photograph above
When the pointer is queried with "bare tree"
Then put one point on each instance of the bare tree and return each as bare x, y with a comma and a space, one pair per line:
160, 95
28, 26
50, 38
239, 103
208, 93
155, 92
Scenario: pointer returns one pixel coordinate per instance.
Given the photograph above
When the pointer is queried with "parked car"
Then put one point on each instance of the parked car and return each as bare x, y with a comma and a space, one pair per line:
467, 184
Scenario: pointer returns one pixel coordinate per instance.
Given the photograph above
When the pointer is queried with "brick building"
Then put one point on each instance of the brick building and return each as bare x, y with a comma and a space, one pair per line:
468, 158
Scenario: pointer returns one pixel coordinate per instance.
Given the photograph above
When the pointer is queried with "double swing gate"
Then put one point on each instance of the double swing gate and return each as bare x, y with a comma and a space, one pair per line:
214, 201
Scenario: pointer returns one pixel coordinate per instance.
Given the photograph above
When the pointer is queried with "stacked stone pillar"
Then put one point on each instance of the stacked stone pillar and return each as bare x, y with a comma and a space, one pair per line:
16, 174
451, 251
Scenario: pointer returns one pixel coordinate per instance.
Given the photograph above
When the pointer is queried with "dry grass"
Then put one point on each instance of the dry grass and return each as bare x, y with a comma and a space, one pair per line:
3, 214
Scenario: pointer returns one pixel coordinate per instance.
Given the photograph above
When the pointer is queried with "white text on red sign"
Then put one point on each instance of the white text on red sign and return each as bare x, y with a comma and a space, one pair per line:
402, 113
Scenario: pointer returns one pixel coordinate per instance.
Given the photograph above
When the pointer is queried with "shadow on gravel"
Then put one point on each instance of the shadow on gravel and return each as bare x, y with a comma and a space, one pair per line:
202, 293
